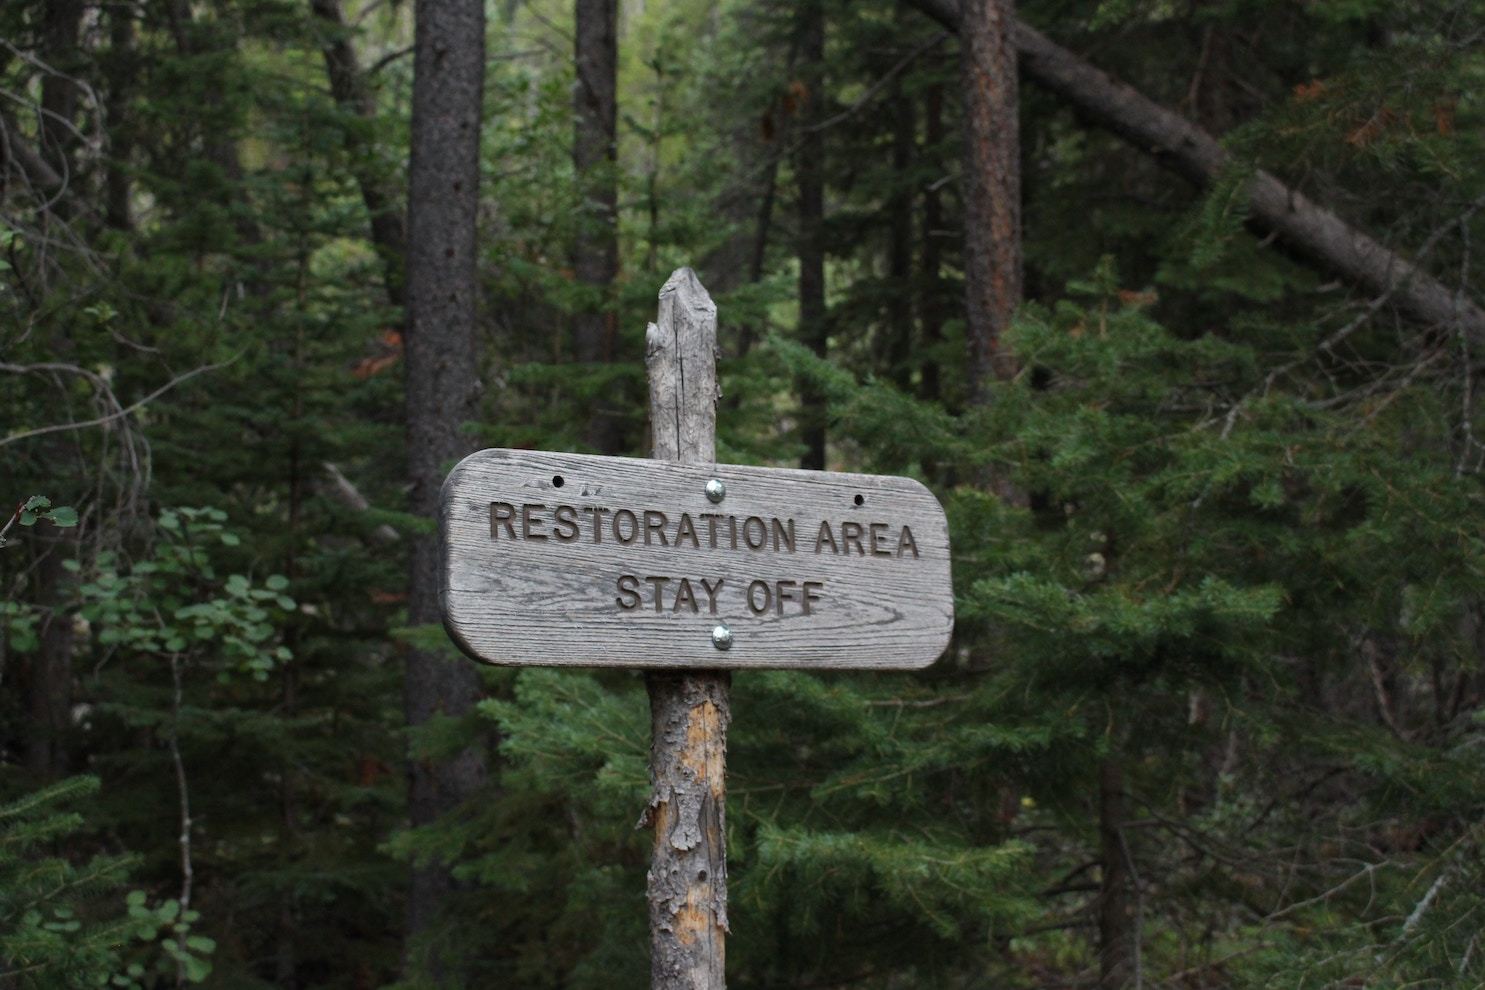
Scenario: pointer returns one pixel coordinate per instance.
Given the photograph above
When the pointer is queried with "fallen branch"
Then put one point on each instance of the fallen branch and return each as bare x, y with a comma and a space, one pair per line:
1179, 144
347, 494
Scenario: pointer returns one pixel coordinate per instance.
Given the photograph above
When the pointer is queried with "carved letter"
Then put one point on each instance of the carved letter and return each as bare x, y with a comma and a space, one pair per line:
825, 536
762, 533
655, 523
598, 512
711, 594
501, 513
628, 592
783, 536
686, 595
767, 597
565, 529
878, 549
711, 522
527, 521
810, 596
786, 594
905, 539
686, 528
657, 583
850, 532
633, 526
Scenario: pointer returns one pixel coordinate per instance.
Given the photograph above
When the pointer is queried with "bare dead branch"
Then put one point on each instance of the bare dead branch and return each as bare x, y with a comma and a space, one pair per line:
103, 420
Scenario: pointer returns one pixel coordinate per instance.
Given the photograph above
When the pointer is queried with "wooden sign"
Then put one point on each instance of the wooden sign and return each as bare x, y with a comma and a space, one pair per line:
577, 560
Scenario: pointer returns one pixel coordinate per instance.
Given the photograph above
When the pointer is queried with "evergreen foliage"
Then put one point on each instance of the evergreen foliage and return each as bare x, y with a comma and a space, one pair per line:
1217, 660
51, 931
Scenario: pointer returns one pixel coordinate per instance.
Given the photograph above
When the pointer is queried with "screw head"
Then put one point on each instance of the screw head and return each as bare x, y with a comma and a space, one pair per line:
722, 637
715, 490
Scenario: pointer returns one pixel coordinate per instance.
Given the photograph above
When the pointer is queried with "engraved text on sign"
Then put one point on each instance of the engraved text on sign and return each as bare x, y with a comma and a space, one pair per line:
566, 559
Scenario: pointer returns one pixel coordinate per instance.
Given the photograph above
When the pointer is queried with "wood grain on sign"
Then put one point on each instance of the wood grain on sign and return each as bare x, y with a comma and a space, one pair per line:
576, 560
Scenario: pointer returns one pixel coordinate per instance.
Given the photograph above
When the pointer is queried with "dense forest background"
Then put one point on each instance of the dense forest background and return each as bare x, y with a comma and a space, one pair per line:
1178, 321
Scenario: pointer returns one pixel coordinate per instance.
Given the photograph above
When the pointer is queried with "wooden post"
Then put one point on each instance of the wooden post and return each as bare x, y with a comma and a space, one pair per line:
689, 712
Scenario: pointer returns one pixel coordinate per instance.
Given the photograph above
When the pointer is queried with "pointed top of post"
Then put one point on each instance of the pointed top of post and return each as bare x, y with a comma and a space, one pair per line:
681, 356
684, 285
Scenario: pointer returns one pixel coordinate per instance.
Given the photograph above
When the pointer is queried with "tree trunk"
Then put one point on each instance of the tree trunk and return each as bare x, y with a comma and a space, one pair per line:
1310, 229
689, 712
992, 190
931, 290
809, 169
898, 349
58, 91
442, 386
119, 190
352, 96
595, 253
1117, 947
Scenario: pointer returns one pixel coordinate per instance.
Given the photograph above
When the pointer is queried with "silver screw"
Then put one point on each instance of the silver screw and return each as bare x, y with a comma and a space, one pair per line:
715, 492
722, 637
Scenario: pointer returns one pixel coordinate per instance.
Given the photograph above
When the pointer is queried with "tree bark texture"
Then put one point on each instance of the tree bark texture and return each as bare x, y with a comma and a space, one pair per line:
441, 382
1116, 931
991, 189
353, 96
898, 345
809, 170
595, 254
931, 303
121, 73
1309, 228
689, 712
59, 93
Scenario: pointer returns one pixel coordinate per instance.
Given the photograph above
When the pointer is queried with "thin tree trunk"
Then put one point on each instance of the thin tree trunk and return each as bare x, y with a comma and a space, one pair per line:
59, 93
353, 96
809, 169
689, 712
772, 126
441, 360
119, 191
595, 253
759, 256
897, 352
931, 290
1309, 228
992, 190
1116, 933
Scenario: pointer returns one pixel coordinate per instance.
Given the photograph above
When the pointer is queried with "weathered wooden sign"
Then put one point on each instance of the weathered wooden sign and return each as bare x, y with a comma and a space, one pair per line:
577, 560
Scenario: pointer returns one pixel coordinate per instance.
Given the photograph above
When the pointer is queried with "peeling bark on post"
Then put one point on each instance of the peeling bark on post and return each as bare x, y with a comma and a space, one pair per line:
689, 713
